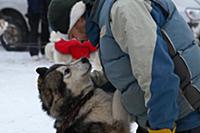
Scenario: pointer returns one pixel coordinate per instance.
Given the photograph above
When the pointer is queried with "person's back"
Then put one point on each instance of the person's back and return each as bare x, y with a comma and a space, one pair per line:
138, 39
138, 61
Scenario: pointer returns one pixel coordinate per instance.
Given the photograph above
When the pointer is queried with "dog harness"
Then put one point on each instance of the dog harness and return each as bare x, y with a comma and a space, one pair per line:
71, 117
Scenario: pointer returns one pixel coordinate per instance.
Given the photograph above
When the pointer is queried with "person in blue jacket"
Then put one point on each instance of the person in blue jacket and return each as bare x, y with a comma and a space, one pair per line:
147, 52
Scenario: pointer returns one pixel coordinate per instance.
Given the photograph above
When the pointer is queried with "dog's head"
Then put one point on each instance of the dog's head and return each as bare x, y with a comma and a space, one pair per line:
61, 86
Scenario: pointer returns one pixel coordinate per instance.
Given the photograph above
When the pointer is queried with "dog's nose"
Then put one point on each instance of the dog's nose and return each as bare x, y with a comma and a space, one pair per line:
84, 60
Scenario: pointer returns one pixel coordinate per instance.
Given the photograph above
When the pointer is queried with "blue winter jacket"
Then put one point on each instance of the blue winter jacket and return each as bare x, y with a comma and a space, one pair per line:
136, 59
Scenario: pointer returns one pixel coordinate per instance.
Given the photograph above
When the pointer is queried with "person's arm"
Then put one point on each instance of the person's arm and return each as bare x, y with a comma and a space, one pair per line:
137, 34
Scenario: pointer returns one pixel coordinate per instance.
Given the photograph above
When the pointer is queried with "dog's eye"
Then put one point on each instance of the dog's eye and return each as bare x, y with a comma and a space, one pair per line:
67, 71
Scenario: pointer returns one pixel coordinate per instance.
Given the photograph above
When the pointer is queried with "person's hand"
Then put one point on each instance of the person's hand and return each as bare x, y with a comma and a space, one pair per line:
162, 131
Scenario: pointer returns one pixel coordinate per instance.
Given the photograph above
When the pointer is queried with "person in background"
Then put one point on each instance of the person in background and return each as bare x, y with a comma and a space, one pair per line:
148, 53
44, 24
37, 14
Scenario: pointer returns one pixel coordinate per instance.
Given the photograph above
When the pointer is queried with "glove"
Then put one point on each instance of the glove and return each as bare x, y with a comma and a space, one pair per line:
162, 131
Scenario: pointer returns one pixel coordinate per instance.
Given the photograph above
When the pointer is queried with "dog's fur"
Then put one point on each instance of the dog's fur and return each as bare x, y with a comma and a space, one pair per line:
63, 87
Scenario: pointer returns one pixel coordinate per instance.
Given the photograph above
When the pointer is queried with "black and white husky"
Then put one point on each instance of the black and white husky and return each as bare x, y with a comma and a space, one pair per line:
69, 96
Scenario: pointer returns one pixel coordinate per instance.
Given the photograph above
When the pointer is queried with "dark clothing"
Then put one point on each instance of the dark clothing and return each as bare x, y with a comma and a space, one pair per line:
37, 13
45, 33
141, 130
1, 15
34, 6
44, 24
194, 130
33, 20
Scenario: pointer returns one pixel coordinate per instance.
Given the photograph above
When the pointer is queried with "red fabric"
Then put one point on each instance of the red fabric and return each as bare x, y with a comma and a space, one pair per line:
75, 48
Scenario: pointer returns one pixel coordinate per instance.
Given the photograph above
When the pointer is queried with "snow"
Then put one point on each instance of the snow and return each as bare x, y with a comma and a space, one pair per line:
20, 108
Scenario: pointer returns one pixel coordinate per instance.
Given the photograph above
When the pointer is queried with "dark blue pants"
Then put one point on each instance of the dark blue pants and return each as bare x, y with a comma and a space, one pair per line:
36, 42
34, 20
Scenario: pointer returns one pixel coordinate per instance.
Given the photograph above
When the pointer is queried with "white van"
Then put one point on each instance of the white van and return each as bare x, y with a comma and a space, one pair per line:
190, 10
184, 5
16, 35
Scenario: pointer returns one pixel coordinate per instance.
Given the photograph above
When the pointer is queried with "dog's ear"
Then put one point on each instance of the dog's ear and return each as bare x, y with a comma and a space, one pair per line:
41, 71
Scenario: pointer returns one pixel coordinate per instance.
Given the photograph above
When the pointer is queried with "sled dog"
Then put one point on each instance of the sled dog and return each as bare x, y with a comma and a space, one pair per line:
68, 94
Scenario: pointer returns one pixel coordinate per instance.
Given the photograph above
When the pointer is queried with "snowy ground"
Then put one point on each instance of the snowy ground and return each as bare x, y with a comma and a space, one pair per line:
20, 108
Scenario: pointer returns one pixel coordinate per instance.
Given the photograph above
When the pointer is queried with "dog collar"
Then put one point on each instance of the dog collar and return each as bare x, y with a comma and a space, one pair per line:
70, 118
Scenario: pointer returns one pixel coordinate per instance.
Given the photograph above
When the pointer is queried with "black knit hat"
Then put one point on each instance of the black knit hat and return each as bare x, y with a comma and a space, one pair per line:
59, 14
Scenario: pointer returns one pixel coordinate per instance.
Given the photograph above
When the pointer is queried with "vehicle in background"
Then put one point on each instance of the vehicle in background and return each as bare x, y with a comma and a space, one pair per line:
16, 35
190, 10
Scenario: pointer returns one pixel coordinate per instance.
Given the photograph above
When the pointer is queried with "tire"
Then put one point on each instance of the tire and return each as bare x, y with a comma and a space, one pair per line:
15, 37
